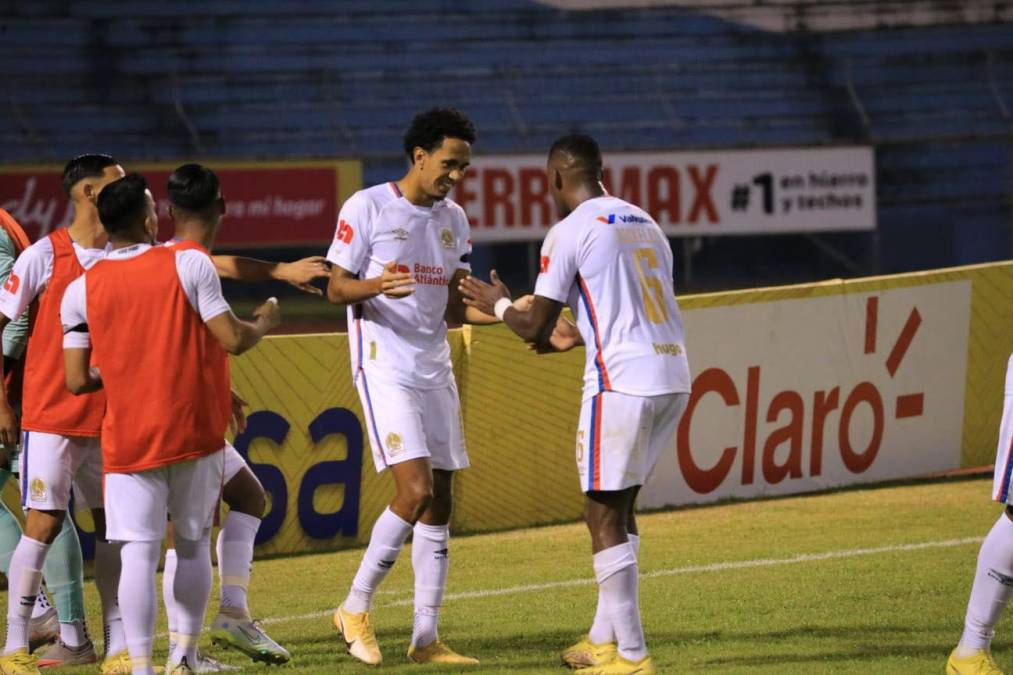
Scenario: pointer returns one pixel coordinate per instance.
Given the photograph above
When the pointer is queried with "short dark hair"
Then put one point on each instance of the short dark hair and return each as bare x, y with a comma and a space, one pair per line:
85, 166
430, 127
122, 203
584, 150
194, 187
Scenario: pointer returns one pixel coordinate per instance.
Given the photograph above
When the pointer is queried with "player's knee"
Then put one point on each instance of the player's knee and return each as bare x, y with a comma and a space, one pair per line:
417, 497
44, 526
252, 502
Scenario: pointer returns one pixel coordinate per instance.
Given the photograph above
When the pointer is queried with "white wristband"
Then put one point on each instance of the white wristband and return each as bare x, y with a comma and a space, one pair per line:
500, 308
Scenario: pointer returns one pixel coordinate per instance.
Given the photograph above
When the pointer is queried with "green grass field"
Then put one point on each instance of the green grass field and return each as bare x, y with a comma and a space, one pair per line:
858, 581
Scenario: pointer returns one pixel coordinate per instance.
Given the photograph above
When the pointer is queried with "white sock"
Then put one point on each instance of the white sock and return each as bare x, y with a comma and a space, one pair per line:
235, 560
137, 601
41, 604
618, 577
107, 581
73, 633
993, 585
168, 578
24, 581
601, 629
191, 588
385, 542
431, 562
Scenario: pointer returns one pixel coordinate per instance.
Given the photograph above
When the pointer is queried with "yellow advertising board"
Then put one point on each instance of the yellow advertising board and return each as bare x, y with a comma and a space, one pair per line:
897, 345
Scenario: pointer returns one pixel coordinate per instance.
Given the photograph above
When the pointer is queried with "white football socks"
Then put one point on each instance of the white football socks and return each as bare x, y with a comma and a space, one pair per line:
25, 580
618, 578
431, 562
41, 604
601, 629
107, 580
235, 560
138, 604
191, 588
385, 543
168, 579
993, 585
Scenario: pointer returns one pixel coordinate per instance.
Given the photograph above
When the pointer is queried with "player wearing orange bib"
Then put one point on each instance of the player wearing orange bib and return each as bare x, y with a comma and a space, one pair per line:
163, 427
60, 443
611, 263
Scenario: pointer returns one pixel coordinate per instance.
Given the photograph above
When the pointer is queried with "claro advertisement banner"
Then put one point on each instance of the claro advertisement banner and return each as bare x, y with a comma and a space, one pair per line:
689, 193
268, 203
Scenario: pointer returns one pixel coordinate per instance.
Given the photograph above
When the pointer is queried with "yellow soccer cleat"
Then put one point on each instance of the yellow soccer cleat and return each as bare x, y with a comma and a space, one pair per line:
437, 652
979, 663
585, 653
621, 666
117, 664
359, 636
19, 662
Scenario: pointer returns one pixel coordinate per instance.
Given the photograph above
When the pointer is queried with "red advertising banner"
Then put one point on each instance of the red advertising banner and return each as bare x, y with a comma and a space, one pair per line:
267, 203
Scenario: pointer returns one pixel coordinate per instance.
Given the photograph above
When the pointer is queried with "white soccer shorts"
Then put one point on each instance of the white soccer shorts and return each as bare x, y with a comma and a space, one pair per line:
234, 463
1001, 487
51, 466
621, 437
137, 504
407, 423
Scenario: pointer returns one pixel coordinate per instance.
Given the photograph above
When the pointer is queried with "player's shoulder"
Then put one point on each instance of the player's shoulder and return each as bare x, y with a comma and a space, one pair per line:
373, 198
38, 251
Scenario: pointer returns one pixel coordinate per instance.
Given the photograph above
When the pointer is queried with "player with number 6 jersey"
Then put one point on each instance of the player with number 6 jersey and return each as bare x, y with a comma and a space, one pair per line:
610, 262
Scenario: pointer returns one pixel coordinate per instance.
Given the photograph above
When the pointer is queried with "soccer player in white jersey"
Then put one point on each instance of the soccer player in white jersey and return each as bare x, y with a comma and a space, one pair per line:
60, 445
399, 251
993, 580
197, 207
611, 263
168, 457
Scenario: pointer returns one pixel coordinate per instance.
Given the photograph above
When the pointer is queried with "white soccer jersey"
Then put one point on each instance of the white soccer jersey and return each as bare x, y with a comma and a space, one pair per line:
611, 263
402, 340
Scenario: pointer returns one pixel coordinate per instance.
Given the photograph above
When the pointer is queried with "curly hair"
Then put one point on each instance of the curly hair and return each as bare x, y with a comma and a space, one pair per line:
430, 127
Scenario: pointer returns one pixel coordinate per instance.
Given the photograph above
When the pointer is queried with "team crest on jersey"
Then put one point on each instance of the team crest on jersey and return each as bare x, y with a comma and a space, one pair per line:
400, 234
394, 443
447, 238
37, 489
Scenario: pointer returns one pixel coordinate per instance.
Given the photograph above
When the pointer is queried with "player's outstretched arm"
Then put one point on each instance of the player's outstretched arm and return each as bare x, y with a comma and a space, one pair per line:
81, 377
237, 336
299, 273
345, 288
534, 325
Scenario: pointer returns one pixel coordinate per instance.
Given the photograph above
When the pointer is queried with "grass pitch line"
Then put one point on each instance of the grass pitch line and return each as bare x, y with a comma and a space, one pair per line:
689, 569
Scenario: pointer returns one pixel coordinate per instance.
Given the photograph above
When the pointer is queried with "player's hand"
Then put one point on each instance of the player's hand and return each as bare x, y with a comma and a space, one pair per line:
8, 425
394, 284
301, 273
269, 313
482, 296
237, 420
524, 303
565, 336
